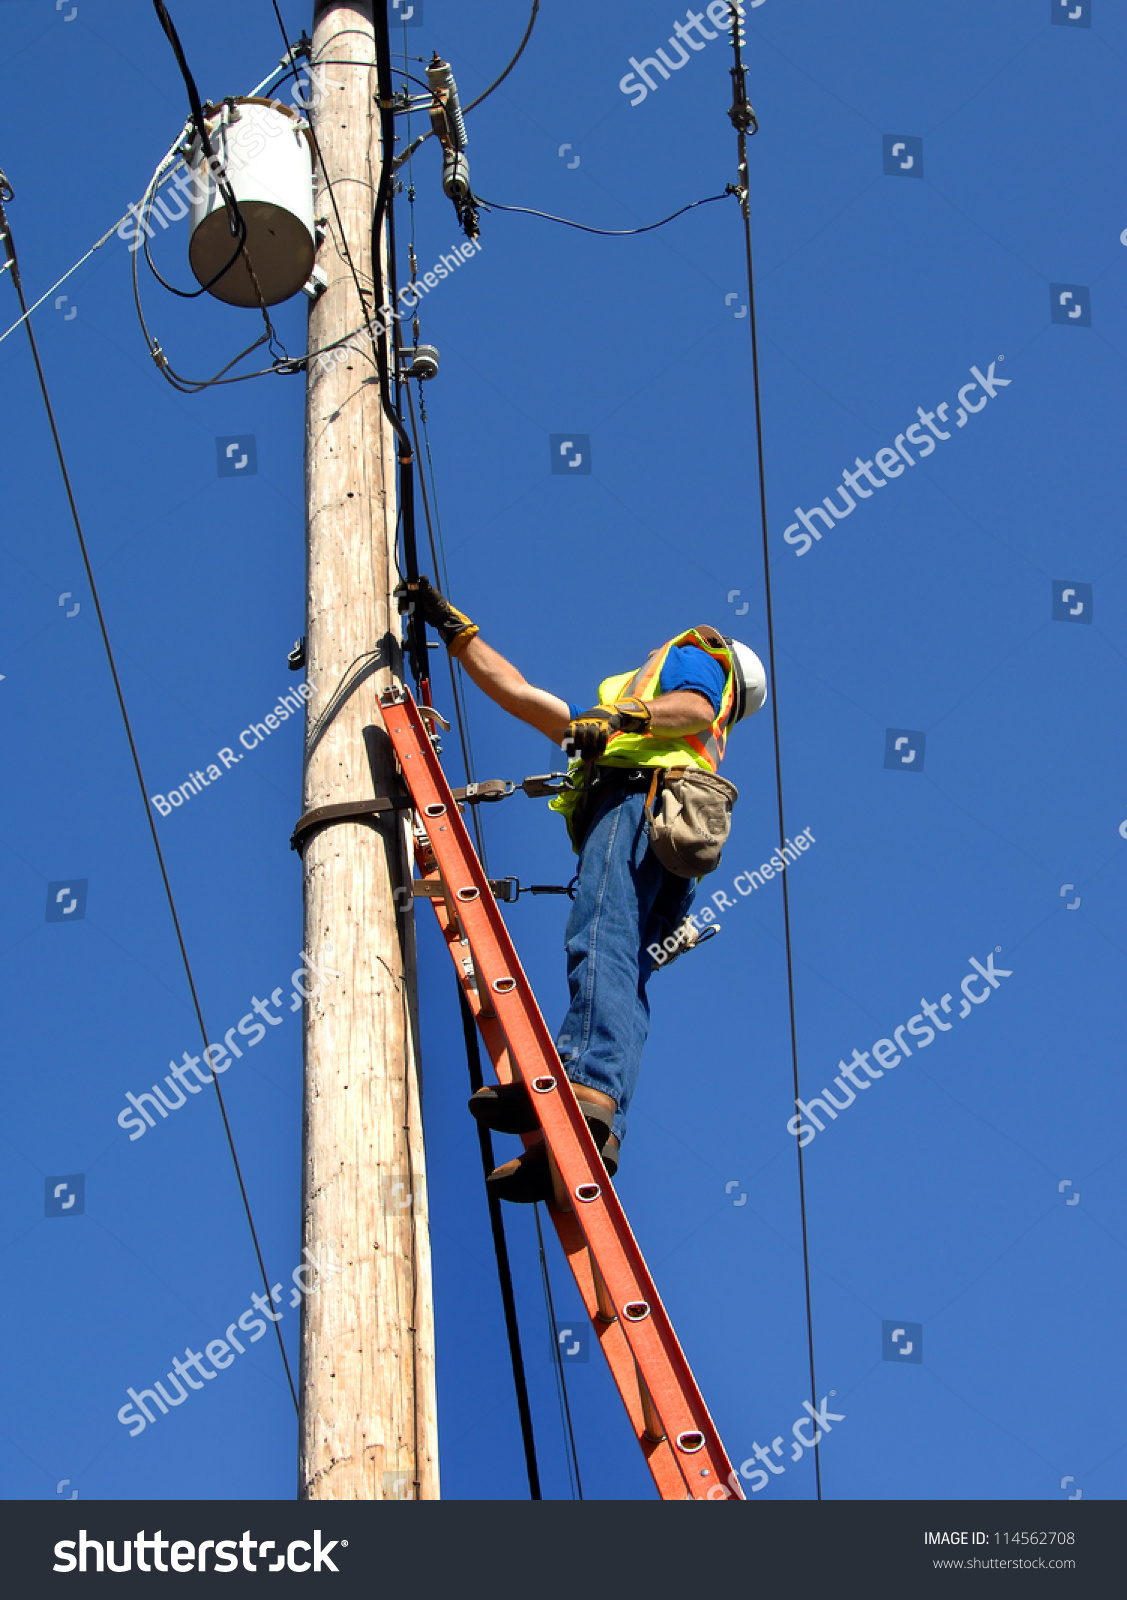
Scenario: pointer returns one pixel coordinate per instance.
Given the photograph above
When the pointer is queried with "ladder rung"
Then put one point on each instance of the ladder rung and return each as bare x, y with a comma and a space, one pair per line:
605, 1305
654, 1429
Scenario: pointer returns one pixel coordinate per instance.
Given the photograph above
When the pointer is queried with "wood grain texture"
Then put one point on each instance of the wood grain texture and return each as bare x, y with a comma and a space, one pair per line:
368, 1426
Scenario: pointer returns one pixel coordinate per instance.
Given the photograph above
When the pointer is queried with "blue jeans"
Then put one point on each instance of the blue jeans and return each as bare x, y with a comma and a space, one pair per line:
625, 900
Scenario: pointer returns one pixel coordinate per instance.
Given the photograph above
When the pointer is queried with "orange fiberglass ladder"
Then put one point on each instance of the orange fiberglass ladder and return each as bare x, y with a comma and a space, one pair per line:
667, 1411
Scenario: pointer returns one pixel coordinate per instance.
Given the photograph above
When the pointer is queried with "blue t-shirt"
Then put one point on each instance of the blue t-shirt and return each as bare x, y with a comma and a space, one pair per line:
686, 667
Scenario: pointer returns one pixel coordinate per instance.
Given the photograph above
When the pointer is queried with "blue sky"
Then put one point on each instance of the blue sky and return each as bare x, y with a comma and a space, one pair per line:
934, 1199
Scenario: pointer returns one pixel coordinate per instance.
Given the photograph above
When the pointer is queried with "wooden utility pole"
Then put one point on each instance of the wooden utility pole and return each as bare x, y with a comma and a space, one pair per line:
368, 1429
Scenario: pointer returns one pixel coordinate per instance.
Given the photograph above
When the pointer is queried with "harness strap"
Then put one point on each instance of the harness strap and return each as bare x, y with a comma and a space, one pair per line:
346, 811
652, 796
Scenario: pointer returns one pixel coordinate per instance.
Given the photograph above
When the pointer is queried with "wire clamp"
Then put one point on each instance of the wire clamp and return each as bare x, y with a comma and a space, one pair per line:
509, 889
546, 784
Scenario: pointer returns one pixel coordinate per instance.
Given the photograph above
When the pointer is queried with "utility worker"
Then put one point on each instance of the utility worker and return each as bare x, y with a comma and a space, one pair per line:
672, 713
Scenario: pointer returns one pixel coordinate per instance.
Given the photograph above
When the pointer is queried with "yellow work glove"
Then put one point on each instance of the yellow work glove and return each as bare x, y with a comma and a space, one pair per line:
454, 627
587, 735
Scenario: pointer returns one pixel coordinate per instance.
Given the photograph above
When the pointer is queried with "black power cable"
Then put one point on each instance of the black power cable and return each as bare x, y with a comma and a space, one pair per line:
469, 1027
9, 244
743, 120
217, 170
454, 670
497, 82
416, 627
178, 381
238, 223
528, 211
320, 162
376, 324
561, 1380
501, 1251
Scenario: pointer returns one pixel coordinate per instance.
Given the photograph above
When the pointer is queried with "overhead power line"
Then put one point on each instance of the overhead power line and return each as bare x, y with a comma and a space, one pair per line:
9, 244
501, 1252
528, 211
68, 273
557, 1361
497, 82
238, 222
743, 120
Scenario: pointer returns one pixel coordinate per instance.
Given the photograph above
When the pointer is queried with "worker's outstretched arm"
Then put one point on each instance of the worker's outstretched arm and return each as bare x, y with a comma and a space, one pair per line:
501, 681
677, 714
495, 676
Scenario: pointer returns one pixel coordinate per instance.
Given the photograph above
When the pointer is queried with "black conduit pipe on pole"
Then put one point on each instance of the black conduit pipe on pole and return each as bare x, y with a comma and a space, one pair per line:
416, 627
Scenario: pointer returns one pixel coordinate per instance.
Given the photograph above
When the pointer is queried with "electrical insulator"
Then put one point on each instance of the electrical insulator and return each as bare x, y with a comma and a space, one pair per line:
455, 176
446, 112
450, 129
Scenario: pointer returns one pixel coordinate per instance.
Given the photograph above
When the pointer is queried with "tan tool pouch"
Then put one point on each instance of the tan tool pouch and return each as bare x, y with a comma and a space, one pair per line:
688, 818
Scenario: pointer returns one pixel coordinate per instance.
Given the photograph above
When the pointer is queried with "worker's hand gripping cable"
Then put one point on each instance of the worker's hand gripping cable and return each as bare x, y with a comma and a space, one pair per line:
587, 736
453, 626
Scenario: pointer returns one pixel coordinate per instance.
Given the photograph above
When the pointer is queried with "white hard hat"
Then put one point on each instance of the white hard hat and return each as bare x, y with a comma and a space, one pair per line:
751, 680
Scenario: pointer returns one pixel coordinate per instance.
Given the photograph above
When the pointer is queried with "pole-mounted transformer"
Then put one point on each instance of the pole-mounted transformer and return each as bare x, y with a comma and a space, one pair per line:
450, 129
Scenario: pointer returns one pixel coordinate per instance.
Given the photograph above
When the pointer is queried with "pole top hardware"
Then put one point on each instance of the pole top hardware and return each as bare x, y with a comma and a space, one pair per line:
303, 47
449, 128
420, 362
742, 114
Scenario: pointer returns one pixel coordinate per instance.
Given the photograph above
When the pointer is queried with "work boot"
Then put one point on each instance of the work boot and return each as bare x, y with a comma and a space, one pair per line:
609, 1153
524, 1180
533, 1175
507, 1108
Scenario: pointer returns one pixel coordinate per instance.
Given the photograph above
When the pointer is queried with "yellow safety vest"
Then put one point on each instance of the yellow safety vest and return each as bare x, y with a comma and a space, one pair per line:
633, 750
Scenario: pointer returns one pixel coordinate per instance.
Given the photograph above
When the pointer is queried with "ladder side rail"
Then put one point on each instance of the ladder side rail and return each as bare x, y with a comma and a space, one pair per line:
612, 1341
649, 1333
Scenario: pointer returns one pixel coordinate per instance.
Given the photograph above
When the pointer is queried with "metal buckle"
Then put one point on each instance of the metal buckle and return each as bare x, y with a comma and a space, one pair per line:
546, 784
